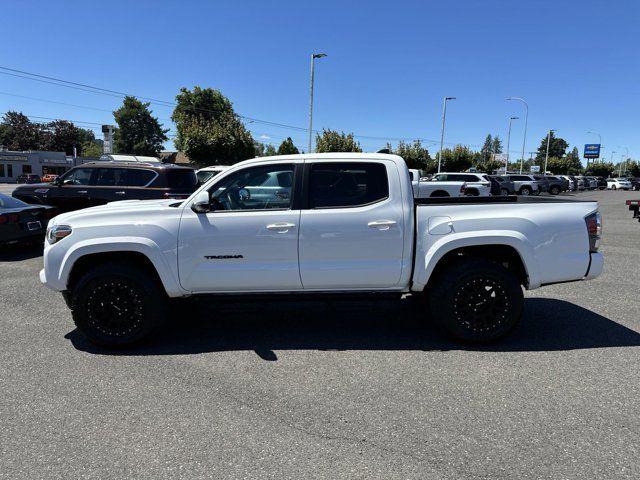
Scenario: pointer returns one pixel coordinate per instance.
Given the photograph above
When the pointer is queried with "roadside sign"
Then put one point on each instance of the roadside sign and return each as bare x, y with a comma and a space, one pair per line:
534, 169
592, 150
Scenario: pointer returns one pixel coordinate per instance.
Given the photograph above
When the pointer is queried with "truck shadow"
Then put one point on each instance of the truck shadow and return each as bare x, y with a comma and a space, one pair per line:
21, 251
547, 325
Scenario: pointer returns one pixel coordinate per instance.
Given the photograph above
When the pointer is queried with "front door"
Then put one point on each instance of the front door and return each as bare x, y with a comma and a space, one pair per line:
249, 242
73, 193
352, 233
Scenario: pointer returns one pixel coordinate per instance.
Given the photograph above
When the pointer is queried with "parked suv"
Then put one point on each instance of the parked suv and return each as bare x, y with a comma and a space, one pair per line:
524, 184
553, 185
28, 178
98, 183
503, 185
477, 184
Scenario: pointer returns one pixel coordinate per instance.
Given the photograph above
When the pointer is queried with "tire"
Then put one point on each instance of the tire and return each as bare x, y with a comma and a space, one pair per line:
554, 190
472, 193
613, 187
525, 191
494, 312
103, 293
504, 192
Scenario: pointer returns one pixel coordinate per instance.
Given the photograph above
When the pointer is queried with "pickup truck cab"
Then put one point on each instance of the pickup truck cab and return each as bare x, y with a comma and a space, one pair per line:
317, 224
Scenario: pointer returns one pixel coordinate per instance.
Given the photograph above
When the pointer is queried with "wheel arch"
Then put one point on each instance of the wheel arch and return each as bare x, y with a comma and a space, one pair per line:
144, 253
511, 251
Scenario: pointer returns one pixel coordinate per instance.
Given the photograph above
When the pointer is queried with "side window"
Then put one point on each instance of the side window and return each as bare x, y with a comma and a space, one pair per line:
255, 188
139, 178
78, 176
336, 185
441, 177
471, 178
110, 177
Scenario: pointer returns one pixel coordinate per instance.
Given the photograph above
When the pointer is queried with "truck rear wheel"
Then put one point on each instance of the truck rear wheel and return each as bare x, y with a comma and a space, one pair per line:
115, 305
525, 191
554, 190
476, 300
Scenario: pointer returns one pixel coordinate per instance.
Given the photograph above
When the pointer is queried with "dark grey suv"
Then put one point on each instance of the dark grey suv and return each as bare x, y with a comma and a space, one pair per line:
98, 183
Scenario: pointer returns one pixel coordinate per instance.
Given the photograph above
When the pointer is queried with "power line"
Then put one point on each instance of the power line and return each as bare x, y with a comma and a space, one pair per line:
114, 93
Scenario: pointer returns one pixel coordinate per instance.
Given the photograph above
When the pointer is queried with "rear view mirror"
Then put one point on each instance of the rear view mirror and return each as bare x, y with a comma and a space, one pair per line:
201, 204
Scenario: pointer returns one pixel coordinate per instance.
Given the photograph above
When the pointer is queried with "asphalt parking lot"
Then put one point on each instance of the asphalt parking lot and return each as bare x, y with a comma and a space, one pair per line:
341, 390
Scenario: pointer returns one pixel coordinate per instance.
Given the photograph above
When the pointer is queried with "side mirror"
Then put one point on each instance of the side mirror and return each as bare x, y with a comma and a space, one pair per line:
201, 204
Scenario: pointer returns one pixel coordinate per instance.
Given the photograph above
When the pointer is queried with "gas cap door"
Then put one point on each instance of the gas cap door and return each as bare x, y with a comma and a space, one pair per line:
440, 225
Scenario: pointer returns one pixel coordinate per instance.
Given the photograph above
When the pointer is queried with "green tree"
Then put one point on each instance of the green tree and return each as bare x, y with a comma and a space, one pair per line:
496, 145
62, 136
209, 132
270, 150
457, 159
258, 149
287, 147
90, 149
332, 141
633, 168
415, 155
557, 147
139, 132
487, 148
17, 132
600, 169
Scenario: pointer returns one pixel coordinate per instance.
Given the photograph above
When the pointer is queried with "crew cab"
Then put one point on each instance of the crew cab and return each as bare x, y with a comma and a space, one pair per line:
326, 224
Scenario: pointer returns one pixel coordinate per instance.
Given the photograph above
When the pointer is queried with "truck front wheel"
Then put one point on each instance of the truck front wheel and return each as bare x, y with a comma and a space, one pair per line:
116, 305
476, 300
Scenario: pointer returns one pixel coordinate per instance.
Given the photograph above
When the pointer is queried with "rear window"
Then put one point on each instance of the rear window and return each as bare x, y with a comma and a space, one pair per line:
337, 185
9, 202
183, 179
139, 178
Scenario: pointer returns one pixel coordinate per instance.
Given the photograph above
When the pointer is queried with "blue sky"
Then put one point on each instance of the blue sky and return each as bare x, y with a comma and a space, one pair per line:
577, 63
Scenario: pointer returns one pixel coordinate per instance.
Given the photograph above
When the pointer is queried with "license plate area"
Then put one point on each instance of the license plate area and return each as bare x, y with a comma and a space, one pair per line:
31, 226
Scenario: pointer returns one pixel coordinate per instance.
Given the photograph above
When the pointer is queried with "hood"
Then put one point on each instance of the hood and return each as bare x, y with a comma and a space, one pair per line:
128, 208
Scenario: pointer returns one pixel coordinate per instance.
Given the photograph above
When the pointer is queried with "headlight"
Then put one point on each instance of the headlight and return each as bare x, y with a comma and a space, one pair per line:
56, 233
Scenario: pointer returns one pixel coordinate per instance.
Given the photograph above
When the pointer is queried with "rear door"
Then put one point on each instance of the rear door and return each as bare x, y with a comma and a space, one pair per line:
351, 226
110, 185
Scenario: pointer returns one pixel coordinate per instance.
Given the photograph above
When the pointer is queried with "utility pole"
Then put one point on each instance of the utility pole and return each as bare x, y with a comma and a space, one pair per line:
444, 119
546, 158
313, 59
506, 166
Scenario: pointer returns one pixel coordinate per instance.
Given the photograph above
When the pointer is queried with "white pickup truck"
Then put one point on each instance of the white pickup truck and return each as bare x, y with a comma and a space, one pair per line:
317, 224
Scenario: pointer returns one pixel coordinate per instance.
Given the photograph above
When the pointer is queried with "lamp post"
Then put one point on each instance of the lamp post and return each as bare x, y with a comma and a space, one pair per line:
526, 119
546, 158
313, 61
625, 161
444, 118
506, 166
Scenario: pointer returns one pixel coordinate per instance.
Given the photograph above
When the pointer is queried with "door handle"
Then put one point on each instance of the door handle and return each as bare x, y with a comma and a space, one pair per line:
381, 224
121, 192
82, 192
281, 227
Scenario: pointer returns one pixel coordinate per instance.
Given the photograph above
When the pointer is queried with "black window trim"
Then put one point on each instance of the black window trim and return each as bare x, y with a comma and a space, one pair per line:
307, 191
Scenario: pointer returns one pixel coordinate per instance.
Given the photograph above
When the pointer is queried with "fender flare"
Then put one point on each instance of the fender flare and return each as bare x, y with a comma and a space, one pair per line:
142, 245
426, 263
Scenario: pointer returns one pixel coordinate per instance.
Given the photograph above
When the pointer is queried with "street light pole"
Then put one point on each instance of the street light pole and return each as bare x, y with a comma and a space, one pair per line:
526, 120
313, 58
444, 118
506, 166
625, 161
546, 158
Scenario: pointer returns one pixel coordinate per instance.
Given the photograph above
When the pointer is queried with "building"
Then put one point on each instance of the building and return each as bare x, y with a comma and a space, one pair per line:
13, 164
